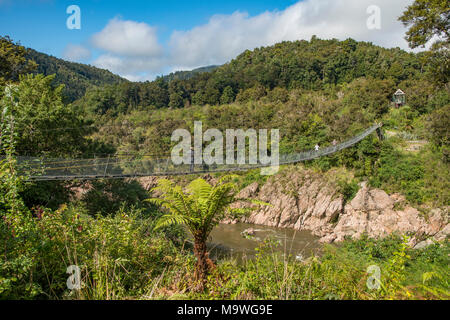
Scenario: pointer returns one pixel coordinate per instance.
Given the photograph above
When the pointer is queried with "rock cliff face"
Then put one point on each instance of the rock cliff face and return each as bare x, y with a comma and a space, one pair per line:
306, 202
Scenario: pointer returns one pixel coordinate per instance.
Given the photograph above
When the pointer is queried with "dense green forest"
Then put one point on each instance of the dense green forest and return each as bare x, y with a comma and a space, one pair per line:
316, 65
128, 247
76, 77
185, 75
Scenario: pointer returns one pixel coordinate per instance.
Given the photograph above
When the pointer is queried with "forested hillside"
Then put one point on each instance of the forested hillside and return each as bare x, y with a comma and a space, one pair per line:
76, 77
315, 65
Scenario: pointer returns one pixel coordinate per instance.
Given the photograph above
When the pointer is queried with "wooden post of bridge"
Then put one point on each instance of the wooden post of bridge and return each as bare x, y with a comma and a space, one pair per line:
380, 132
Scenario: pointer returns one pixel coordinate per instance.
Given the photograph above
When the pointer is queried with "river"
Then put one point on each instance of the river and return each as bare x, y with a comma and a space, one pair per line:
227, 241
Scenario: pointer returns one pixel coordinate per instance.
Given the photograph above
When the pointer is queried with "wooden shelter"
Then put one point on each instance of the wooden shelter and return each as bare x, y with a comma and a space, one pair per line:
399, 98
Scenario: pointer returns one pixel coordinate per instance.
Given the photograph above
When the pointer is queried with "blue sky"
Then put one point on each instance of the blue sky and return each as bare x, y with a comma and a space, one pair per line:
141, 39
42, 24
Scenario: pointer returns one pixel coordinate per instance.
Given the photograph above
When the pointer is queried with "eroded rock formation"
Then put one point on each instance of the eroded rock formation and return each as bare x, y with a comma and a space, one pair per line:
304, 201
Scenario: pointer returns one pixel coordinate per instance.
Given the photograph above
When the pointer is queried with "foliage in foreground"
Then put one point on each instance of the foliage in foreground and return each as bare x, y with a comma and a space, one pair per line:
120, 258
339, 273
116, 255
200, 208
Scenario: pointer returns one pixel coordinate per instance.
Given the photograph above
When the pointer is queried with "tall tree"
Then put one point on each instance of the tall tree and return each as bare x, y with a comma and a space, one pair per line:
13, 61
227, 95
426, 19
43, 122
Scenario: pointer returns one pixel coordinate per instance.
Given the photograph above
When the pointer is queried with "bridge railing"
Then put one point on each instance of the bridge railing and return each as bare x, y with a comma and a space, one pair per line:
122, 167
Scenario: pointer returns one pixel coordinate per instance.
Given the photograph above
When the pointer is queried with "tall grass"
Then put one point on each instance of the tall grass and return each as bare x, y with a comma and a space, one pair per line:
340, 272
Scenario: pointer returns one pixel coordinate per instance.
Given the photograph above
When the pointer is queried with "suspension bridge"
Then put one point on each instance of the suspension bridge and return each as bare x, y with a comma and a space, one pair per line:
53, 169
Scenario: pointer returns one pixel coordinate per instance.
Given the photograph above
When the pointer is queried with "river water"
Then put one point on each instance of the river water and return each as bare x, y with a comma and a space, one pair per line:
227, 241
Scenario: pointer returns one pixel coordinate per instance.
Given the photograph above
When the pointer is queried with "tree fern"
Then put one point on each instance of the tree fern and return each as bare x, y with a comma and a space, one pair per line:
200, 207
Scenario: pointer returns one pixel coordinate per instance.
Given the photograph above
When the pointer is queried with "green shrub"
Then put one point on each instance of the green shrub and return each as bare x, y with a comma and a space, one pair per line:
109, 195
348, 189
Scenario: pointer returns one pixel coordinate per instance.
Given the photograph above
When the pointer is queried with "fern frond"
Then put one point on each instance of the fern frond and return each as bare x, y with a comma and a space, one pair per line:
199, 188
171, 219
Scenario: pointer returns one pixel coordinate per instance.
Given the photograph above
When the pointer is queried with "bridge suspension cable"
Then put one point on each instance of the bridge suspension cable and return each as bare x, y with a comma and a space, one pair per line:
46, 169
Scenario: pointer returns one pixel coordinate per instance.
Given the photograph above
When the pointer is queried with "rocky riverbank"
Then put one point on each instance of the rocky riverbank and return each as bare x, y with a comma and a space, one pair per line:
305, 200
308, 202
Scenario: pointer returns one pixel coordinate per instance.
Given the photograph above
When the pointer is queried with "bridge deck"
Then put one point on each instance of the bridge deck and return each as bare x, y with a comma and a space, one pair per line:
44, 169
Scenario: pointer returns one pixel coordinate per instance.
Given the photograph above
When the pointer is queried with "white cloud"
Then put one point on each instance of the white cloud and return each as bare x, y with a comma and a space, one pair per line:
226, 36
132, 68
76, 53
132, 48
128, 38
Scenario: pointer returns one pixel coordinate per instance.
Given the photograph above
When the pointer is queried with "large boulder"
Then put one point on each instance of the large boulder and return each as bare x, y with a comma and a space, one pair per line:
299, 202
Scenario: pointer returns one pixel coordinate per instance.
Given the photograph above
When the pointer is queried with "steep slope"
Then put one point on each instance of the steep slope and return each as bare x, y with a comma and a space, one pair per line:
76, 77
